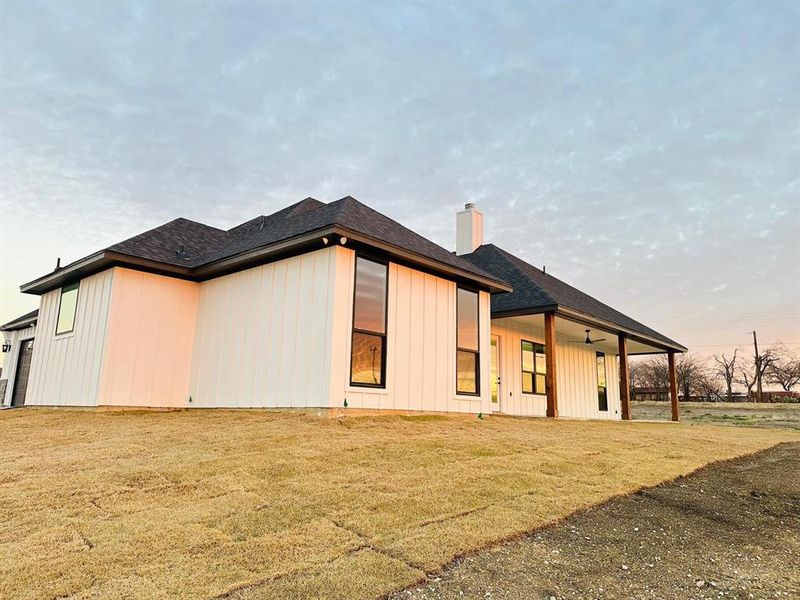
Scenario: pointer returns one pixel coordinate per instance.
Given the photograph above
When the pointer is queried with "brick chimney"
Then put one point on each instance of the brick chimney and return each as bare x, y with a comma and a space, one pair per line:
469, 229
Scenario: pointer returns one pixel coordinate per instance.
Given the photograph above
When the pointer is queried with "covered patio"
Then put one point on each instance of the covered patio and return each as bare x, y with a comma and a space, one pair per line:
563, 335
548, 318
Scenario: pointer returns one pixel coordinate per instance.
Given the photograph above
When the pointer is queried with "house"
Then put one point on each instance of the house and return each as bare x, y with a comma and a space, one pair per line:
327, 306
17, 352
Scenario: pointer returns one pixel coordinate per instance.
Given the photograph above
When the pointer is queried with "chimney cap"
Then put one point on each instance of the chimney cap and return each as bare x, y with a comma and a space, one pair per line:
469, 206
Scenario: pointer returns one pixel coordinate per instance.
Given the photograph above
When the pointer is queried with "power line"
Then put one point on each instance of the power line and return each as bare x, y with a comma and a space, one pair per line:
735, 345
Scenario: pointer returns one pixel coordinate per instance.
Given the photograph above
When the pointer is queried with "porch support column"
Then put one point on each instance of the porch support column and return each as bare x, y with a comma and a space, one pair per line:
550, 363
624, 378
673, 384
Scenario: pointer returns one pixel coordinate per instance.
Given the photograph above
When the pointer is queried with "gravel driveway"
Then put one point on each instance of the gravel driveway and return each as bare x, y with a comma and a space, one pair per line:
731, 530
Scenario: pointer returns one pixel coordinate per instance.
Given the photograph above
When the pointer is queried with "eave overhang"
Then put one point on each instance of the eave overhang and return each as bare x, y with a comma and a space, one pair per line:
592, 321
306, 242
18, 324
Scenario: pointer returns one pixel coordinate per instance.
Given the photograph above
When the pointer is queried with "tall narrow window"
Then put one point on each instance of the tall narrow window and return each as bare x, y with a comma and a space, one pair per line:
467, 346
368, 357
602, 395
534, 368
67, 306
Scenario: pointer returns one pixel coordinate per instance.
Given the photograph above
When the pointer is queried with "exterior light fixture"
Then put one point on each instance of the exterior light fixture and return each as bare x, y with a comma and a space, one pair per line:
342, 240
6, 346
325, 241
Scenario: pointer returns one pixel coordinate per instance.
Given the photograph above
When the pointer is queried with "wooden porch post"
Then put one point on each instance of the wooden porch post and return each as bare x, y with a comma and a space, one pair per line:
673, 384
550, 363
624, 378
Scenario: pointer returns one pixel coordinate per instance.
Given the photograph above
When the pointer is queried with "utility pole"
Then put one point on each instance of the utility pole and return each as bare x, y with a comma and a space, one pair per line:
758, 369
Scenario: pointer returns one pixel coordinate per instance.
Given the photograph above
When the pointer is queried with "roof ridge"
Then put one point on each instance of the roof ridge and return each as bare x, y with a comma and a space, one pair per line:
305, 204
347, 201
512, 261
185, 220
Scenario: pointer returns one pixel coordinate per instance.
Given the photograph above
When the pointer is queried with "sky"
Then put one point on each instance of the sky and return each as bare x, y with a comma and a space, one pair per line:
648, 153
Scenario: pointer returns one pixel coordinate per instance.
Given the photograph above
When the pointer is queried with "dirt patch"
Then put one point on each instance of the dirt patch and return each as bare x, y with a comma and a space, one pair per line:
731, 530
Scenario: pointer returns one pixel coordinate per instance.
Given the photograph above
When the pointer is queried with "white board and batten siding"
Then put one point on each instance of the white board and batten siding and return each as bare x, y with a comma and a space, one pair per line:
420, 344
149, 344
17, 338
262, 336
66, 368
577, 381
576, 374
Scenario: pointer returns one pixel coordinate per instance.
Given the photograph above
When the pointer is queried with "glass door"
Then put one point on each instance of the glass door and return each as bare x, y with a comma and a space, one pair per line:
495, 373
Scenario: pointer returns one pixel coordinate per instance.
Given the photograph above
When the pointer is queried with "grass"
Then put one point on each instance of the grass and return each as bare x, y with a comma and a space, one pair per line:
261, 504
748, 414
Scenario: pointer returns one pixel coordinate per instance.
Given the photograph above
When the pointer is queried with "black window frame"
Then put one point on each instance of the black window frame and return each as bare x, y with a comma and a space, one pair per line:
354, 330
601, 399
69, 287
536, 346
476, 353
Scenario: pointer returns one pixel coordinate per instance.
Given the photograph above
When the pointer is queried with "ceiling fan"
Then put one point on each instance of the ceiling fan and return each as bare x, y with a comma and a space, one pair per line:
588, 340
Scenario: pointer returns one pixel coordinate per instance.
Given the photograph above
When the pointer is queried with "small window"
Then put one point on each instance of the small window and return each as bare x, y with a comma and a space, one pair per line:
67, 307
467, 346
602, 395
534, 368
368, 355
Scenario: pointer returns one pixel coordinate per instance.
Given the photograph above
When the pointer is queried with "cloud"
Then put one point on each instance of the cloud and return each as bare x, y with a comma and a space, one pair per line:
651, 148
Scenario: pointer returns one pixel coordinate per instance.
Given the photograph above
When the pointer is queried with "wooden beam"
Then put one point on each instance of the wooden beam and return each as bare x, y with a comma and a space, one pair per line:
624, 378
673, 385
550, 363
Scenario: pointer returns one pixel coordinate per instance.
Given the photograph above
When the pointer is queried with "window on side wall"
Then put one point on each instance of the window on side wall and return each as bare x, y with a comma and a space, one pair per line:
67, 306
467, 343
602, 393
534, 368
368, 354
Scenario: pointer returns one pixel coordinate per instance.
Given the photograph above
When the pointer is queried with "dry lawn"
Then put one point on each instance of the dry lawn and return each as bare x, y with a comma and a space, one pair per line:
258, 504
747, 414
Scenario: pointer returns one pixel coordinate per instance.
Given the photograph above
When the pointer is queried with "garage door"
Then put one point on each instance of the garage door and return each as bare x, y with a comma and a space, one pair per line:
23, 369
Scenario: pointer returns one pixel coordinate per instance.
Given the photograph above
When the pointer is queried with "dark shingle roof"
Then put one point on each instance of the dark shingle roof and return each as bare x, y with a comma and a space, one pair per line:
349, 213
21, 322
533, 289
163, 243
192, 245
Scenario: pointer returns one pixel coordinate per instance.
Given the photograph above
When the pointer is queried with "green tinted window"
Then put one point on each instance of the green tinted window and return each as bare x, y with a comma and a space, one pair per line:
67, 307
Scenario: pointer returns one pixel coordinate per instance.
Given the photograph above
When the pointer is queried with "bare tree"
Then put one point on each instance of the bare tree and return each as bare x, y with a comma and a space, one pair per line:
746, 376
784, 370
636, 373
653, 373
764, 363
726, 369
710, 387
749, 373
691, 372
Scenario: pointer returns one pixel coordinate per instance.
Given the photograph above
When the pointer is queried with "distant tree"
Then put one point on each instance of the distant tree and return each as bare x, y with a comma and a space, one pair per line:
694, 378
691, 373
710, 387
764, 363
784, 370
652, 374
726, 370
746, 377
750, 371
635, 370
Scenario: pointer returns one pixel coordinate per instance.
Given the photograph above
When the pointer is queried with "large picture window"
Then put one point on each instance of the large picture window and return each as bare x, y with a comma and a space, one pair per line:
534, 368
67, 306
467, 346
602, 394
368, 356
